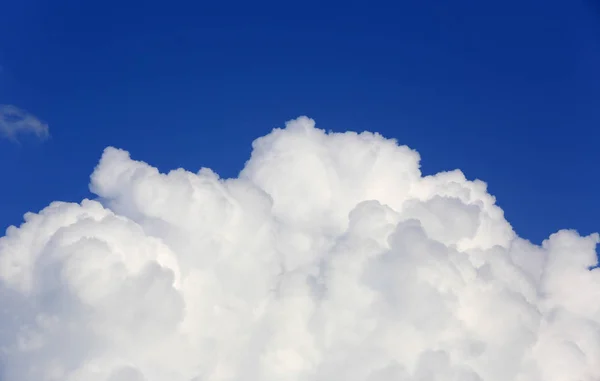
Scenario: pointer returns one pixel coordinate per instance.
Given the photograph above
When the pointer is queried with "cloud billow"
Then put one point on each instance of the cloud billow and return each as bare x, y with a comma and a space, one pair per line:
330, 257
15, 121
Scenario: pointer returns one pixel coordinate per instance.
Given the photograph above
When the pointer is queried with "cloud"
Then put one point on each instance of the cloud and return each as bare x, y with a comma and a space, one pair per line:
330, 257
15, 121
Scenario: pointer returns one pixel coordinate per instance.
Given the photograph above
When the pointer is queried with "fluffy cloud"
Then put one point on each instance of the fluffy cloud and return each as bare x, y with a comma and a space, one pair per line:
330, 257
14, 122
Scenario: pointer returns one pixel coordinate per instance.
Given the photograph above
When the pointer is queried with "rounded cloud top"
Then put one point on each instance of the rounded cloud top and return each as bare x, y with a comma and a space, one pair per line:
330, 257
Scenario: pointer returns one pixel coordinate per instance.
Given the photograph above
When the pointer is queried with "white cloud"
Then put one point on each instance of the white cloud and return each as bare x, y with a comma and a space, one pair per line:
329, 258
15, 121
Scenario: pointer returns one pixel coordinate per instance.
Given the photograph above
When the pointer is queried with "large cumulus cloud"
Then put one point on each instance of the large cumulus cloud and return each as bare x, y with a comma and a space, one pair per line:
330, 257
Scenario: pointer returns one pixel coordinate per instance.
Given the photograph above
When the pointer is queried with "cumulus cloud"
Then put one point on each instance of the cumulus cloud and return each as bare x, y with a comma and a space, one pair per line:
15, 121
330, 257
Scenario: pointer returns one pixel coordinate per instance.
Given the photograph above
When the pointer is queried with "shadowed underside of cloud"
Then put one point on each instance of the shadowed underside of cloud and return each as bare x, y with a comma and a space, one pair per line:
330, 257
15, 121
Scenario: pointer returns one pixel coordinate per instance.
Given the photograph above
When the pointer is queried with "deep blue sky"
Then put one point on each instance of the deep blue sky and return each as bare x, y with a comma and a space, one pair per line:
507, 91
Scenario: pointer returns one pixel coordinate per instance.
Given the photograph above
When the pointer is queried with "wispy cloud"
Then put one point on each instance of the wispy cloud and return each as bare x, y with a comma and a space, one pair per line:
15, 121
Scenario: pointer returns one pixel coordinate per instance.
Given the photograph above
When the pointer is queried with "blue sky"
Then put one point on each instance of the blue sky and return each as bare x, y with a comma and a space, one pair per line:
507, 92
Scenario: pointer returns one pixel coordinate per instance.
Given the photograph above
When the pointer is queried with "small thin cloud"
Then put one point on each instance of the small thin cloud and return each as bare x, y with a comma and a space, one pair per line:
15, 121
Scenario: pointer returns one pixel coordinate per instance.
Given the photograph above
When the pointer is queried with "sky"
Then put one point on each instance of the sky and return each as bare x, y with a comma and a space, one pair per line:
273, 191
506, 92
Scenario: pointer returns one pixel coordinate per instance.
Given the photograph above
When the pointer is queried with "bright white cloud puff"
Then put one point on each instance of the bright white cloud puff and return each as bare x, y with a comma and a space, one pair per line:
15, 121
330, 257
